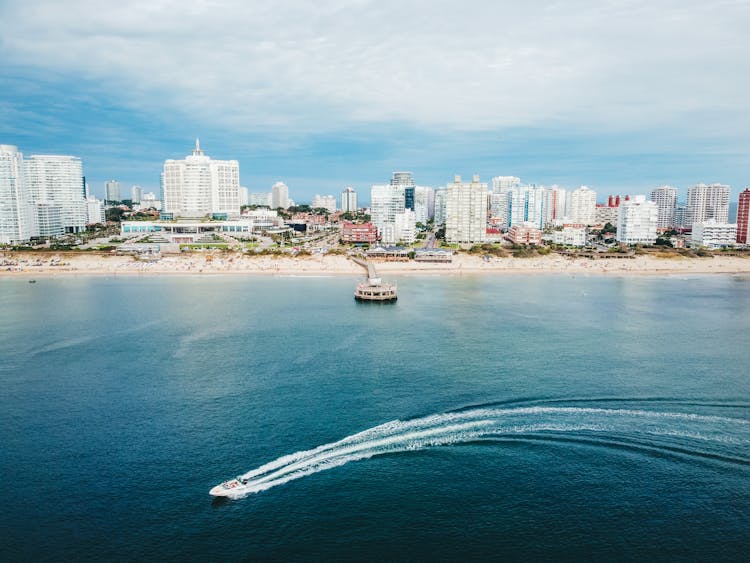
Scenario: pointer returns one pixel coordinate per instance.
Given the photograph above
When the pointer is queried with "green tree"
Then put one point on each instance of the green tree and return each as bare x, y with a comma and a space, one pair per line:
114, 214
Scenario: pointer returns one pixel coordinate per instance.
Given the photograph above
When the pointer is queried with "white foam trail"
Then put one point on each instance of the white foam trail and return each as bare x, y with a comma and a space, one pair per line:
483, 423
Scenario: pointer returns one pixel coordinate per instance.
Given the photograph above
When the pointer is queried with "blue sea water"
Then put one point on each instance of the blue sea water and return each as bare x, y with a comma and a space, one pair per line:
514, 417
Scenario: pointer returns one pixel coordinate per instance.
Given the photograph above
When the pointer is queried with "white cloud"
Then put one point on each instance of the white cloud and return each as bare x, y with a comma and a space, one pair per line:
300, 66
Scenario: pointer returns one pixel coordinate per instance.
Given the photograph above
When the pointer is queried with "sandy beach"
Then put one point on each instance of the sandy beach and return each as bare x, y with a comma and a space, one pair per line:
71, 263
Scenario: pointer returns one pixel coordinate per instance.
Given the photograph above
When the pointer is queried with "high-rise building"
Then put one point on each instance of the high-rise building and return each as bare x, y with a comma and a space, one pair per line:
466, 211
424, 203
327, 202
665, 198
404, 228
554, 206
279, 196
95, 211
112, 191
636, 221
503, 183
707, 202
58, 181
440, 200
262, 198
150, 201
405, 180
606, 214
244, 196
743, 217
680, 216
385, 202
198, 186
349, 200
505, 195
50, 220
525, 204
18, 217
498, 209
135, 194
583, 206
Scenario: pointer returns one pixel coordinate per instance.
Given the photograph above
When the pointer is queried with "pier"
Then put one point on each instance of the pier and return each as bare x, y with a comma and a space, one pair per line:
374, 289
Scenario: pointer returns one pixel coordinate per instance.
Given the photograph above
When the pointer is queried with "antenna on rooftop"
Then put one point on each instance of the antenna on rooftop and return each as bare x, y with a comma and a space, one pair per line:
197, 150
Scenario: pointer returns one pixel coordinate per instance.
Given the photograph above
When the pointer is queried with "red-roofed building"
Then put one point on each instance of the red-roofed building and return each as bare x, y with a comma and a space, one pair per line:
358, 232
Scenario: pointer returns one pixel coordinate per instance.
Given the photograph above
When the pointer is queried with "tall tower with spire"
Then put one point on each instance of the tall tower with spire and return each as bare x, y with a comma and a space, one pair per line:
199, 186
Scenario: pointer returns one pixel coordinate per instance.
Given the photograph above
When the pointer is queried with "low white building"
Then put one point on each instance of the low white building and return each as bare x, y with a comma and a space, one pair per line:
190, 231
570, 235
637, 219
713, 234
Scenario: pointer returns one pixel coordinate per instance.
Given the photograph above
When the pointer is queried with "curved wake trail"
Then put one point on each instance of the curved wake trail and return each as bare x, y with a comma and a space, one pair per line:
699, 434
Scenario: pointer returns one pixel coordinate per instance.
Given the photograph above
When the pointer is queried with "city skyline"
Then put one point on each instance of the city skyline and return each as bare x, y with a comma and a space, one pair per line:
622, 98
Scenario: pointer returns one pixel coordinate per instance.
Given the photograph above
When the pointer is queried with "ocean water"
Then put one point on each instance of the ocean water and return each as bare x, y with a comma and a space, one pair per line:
514, 417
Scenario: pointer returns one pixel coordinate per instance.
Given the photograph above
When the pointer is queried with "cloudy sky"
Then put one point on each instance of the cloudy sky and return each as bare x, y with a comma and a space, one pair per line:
620, 95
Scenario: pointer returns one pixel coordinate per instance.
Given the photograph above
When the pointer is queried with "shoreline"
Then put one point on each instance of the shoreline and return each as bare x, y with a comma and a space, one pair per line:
25, 264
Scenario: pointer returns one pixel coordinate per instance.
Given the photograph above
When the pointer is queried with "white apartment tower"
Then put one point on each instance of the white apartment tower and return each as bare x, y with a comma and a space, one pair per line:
665, 198
553, 209
385, 202
440, 198
112, 191
466, 211
582, 206
707, 202
424, 203
349, 200
279, 196
636, 221
136, 193
504, 183
58, 181
18, 218
405, 226
327, 202
525, 204
198, 186
244, 196
262, 198
498, 208
95, 211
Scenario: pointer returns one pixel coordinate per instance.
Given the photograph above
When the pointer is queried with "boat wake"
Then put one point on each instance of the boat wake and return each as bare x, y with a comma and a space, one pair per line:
718, 438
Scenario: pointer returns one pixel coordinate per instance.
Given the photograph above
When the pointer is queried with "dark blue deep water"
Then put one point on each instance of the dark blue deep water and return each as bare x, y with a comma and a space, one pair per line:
540, 417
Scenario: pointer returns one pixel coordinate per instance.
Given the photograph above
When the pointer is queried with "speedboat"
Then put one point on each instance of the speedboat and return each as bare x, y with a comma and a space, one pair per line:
230, 488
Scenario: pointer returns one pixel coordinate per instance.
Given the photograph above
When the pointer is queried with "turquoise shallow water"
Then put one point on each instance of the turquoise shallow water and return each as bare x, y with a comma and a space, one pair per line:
497, 417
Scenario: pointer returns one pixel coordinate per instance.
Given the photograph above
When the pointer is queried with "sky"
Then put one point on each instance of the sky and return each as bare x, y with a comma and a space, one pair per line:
618, 95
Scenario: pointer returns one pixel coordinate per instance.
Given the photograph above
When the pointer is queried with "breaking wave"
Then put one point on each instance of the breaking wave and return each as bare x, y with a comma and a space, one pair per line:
708, 437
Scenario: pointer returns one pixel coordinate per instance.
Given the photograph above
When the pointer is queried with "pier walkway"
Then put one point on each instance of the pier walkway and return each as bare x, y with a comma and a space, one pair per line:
369, 265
